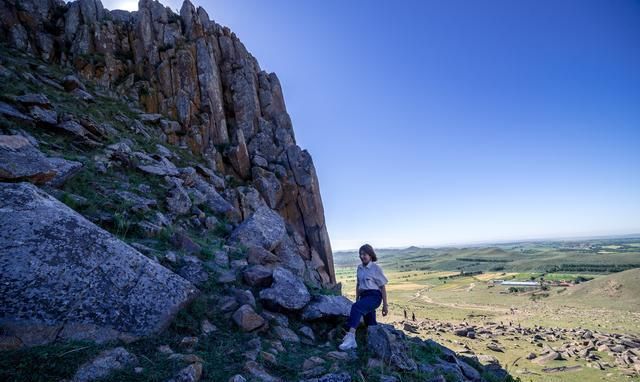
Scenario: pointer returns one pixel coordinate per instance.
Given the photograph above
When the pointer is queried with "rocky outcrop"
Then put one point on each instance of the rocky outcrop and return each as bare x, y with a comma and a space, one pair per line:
65, 278
194, 72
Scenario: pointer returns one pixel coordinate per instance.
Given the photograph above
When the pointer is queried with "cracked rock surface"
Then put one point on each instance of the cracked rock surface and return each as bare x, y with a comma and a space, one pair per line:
64, 277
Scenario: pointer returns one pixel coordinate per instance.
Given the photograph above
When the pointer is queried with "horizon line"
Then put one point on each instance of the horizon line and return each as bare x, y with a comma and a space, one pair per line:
538, 239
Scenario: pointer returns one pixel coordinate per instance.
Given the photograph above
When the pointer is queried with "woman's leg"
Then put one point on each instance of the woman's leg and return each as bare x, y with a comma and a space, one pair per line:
366, 305
358, 309
370, 317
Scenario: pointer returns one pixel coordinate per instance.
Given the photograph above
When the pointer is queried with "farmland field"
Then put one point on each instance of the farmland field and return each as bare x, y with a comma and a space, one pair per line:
587, 285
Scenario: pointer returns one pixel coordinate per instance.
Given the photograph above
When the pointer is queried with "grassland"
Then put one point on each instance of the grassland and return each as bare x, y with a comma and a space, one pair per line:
609, 302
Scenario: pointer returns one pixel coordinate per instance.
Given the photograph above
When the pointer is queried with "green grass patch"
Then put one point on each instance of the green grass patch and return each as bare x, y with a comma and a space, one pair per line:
46, 363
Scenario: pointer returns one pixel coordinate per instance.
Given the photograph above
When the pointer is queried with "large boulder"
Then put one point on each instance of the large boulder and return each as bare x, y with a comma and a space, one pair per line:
162, 167
178, 201
287, 291
260, 256
390, 345
247, 319
327, 307
20, 161
104, 364
65, 278
258, 276
289, 255
214, 201
65, 170
265, 228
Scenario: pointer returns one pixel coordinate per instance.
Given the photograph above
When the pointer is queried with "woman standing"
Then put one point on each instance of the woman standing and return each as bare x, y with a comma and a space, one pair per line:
370, 292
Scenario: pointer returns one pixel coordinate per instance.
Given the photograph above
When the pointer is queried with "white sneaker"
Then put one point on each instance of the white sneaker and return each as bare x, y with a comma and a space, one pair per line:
349, 342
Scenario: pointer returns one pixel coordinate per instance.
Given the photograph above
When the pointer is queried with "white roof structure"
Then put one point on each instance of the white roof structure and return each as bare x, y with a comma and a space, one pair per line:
521, 283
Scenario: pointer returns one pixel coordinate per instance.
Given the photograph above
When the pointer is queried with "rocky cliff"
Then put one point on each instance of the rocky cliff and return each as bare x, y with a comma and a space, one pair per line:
155, 207
200, 77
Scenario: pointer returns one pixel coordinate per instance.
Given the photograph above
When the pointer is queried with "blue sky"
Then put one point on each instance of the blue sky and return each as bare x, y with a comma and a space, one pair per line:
441, 122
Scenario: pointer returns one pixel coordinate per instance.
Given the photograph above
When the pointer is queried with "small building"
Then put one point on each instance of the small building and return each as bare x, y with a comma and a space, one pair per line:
533, 284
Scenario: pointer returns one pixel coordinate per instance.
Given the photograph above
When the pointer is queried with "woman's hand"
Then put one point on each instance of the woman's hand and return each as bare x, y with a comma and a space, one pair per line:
385, 309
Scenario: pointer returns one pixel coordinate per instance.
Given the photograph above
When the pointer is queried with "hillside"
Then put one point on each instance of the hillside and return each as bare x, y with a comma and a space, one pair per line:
617, 291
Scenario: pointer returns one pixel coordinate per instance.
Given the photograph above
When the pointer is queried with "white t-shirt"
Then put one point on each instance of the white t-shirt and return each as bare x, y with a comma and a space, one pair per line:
370, 277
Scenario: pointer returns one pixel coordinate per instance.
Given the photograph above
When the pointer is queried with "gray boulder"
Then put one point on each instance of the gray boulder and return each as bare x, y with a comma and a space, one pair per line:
258, 276
192, 269
247, 319
327, 307
289, 255
287, 291
105, 363
191, 373
331, 377
244, 297
72, 82
265, 228
550, 356
260, 256
469, 371
389, 345
178, 201
162, 167
13, 113
19, 160
65, 170
73, 128
216, 202
45, 116
65, 278
255, 370
285, 334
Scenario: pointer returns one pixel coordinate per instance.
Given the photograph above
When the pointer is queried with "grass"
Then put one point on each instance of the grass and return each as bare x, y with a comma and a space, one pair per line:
46, 363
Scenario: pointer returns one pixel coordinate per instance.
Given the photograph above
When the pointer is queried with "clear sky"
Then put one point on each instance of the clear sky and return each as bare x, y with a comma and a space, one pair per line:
440, 122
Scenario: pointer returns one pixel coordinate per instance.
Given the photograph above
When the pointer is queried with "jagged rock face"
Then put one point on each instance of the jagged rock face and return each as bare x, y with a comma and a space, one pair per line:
65, 278
197, 73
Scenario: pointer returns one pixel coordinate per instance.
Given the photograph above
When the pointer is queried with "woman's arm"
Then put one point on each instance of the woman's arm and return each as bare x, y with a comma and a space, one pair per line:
385, 306
357, 289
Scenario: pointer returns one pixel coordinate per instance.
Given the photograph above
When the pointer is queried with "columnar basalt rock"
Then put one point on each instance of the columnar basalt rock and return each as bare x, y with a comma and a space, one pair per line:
197, 73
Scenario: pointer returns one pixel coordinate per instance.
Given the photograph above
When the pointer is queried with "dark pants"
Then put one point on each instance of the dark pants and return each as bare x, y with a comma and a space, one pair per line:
366, 306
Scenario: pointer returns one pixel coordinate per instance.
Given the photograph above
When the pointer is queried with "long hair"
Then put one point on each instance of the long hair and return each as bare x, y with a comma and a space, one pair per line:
369, 251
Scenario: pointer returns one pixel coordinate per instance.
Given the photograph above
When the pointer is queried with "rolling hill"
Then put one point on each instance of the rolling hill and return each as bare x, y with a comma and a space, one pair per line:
618, 290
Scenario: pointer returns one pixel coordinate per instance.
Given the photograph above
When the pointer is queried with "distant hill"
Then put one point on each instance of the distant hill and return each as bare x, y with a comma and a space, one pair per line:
620, 289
